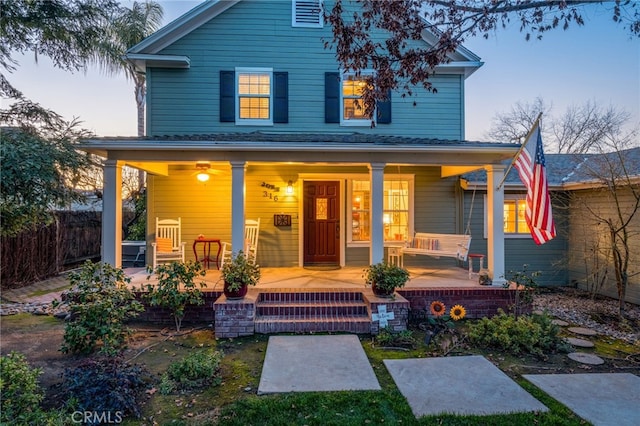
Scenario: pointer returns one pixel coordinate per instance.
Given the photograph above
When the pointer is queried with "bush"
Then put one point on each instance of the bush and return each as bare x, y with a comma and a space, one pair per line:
20, 392
99, 304
176, 288
106, 385
534, 334
196, 370
402, 339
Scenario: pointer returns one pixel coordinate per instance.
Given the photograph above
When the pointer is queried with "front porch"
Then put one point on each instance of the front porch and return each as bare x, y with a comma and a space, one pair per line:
301, 300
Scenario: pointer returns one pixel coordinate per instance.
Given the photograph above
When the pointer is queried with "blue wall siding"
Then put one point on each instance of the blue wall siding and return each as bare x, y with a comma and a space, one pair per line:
259, 34
549, 258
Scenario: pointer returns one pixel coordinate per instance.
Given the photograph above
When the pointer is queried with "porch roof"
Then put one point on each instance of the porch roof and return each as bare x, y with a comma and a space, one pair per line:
301, 147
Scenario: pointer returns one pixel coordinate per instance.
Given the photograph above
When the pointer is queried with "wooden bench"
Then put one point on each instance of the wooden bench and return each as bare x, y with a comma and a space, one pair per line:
439, 245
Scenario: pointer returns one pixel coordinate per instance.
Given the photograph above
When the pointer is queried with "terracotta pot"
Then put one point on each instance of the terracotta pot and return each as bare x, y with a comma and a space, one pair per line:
235, 294
381, 292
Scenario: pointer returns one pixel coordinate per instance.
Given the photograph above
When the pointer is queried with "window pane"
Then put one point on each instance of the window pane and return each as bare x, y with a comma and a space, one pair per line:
360, 194
254, 108
254, 84
510, 216
321, 209
396, 210
353, 110
523, 228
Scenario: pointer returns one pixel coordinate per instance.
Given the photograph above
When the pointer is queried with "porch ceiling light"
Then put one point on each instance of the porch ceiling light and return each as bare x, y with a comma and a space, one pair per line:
202, 168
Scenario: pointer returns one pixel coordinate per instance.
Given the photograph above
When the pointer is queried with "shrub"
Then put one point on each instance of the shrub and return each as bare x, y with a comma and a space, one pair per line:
106, 384
402, 339
99, 304
176, 288
196, 370
534, 334
20, 392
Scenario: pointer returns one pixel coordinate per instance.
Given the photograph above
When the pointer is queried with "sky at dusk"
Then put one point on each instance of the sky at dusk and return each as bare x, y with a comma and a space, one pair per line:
599, 62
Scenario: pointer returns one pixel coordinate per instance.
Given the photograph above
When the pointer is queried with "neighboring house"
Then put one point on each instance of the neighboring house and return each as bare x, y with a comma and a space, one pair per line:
247, 89
579, 255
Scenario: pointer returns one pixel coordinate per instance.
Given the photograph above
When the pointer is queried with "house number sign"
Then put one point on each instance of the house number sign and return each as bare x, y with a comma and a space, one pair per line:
269, 190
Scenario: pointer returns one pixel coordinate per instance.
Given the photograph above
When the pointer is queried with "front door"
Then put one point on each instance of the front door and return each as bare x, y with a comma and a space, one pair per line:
321, 223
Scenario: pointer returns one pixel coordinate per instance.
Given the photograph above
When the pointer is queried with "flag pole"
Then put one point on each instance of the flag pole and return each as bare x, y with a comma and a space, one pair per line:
526, 139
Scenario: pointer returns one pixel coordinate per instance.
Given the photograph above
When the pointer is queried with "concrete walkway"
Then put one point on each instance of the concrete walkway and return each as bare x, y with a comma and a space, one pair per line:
464, 385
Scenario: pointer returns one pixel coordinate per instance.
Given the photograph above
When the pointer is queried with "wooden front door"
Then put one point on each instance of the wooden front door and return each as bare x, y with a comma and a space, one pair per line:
321, 223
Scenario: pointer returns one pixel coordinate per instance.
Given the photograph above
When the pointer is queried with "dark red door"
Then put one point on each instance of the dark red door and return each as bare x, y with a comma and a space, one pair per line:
321, 223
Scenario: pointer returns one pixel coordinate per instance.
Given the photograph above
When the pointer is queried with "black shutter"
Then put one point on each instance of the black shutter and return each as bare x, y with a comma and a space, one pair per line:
384, 110
331, 97
227, 96
281, 97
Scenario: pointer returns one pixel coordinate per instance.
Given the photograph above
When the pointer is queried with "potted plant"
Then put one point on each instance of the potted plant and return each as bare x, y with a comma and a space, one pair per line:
384, 278
238, 274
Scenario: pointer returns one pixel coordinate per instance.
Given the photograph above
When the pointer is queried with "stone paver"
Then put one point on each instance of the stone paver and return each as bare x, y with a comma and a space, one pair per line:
316, 363
580, 343
463, 385
559, 322
585, 358
582, 331
604, 399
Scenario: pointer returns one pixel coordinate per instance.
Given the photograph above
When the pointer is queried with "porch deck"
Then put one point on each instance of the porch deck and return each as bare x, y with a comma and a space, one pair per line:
346, 278
304, 300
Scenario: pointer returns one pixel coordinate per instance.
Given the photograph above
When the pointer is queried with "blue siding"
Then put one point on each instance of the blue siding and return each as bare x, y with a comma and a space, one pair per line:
259, 34
549, 259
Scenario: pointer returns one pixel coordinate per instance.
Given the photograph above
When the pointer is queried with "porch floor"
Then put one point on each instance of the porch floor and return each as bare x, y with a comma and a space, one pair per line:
343, 278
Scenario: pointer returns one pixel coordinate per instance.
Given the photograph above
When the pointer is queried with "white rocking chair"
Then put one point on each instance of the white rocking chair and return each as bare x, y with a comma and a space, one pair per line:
251, 234
168, 246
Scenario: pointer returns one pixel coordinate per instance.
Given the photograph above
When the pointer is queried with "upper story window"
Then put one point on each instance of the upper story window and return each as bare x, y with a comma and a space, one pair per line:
307, 13
351, 98
254, 96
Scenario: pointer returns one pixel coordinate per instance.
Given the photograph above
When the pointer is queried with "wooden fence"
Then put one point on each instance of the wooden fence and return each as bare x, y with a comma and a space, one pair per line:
35, 255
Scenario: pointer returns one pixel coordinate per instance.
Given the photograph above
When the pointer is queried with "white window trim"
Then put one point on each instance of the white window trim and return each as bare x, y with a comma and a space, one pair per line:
387, 177
507, 235
254, 121
294, 21
354, 123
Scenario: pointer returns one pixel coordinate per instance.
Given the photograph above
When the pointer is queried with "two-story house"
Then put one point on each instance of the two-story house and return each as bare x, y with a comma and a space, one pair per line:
246, 92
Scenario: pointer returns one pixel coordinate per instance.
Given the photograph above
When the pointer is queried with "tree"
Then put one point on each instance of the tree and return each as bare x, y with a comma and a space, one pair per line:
38, 173
67, 31
129, 28
580, 129
614, 174
400, 63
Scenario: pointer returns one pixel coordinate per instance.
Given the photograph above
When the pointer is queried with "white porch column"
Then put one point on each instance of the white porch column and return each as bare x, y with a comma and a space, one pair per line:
237, 204
376, 174
495, 223
112, 213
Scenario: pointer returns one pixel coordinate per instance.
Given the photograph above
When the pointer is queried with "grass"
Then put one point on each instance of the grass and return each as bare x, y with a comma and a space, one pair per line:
235, 402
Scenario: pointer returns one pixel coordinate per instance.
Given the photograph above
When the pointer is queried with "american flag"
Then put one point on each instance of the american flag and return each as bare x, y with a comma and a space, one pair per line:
531, 168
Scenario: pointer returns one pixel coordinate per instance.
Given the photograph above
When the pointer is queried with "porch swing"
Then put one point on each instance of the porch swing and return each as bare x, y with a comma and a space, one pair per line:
442, 245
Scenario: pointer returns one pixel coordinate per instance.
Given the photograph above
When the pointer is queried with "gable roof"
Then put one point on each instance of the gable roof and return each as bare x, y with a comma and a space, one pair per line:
146, 53
572, 171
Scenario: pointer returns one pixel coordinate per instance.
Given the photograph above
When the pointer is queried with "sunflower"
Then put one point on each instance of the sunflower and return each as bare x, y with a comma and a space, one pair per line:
457, 312
437, 308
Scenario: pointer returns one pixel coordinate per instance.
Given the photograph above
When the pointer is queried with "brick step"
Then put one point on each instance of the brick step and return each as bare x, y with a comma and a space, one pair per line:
287, 296
312, 309
273, 324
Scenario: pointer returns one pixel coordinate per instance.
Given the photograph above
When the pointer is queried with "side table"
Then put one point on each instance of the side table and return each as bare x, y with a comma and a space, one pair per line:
206, 258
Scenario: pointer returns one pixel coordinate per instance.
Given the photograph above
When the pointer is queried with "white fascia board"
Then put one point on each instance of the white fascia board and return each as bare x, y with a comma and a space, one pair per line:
457, 67
182, 26
141, 61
